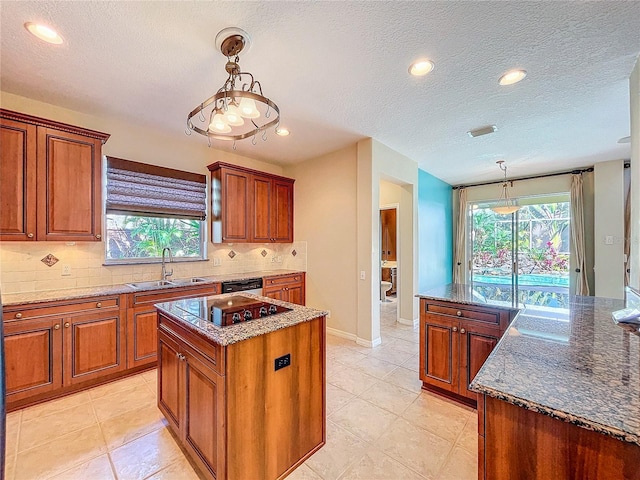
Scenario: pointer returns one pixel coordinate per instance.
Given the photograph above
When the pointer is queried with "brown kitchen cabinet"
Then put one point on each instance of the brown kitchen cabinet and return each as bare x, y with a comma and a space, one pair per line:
52, 347
142, 337
288, 288
235, 415
249, 206
57, 192
455, 340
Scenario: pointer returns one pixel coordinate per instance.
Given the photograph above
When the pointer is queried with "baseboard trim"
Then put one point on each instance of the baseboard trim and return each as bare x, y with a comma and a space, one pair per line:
342, 334
370, 344
405, 321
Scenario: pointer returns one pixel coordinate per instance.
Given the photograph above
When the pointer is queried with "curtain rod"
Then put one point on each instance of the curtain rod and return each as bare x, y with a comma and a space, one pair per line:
582, 170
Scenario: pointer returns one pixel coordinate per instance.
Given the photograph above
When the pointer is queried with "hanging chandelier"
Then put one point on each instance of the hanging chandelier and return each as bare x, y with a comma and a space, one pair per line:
239, 109
505, 205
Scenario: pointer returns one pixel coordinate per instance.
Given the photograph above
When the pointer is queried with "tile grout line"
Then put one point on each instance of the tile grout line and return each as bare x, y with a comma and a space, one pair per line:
104, 439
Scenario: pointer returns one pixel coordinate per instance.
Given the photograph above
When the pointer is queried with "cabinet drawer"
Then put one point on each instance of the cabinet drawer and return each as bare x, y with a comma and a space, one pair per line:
464, 312
21, 312
164, 295
212, 352
283, 279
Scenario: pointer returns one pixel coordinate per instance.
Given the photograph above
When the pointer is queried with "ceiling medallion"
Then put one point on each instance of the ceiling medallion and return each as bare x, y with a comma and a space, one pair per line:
239, 109
505, 205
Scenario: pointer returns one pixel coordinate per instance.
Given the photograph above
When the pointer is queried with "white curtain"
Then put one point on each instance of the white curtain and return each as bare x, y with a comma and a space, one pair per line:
577, 234
461, 234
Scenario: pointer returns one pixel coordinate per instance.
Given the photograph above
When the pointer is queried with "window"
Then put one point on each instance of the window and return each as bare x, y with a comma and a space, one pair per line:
150, 208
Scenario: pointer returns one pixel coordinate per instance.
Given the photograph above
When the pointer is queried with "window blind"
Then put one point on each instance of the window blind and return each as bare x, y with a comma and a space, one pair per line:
140, 189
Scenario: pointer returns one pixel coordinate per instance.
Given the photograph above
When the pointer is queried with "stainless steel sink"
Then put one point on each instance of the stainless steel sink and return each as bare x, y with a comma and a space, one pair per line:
154, 283
188, 281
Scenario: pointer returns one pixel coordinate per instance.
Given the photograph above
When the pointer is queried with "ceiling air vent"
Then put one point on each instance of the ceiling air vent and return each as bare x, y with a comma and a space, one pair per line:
478, 132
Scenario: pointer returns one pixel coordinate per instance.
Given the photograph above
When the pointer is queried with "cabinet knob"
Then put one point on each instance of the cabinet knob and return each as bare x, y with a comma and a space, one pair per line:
459, 313
18, 315
67, 325
455, 329
56, 326
30, 235
462, 330
181, 357
98, 305
98, 236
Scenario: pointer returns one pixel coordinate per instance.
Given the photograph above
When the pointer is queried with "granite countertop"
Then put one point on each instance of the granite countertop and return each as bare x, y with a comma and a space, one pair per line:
466, 294
570, 362
199, 323
73, 293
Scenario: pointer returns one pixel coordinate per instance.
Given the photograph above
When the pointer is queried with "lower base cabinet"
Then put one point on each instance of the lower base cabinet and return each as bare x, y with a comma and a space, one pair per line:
236, 416
455, 341
288, 288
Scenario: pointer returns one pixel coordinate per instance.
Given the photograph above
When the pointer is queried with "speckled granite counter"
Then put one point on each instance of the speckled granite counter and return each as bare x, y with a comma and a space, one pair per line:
198, 320
571, 363
73, 293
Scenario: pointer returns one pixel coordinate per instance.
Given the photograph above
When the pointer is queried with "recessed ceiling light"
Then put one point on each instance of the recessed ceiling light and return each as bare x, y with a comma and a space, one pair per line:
43, 32
512, 76
421, 67
283, 132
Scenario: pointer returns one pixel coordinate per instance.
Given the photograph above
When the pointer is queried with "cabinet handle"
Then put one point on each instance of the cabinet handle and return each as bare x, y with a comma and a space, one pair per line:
455, 329
30, 235
459, 313
56, 326
98, 236
18, 315
462, 330
181, 357
99, 304
67, 325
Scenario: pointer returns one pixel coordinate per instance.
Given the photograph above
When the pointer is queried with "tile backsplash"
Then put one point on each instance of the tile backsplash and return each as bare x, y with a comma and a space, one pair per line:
21, 268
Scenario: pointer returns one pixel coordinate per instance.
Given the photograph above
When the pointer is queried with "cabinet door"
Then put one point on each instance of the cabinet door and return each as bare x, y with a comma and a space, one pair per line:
142, 336
296, 293
170, 379
93, 346
33, 357
235, 206
18, 185
439, 352
262, 205
282, 212
476, 343
204, 414
277, 293
69, 186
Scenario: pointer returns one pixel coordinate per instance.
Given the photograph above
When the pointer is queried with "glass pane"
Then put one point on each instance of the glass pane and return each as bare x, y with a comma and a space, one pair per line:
134, 237
492, 245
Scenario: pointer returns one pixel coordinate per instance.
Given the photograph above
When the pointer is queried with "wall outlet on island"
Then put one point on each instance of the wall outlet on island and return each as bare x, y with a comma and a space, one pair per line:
66, 270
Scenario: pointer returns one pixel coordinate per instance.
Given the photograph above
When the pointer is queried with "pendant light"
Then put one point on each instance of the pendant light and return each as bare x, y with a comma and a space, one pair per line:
505, 205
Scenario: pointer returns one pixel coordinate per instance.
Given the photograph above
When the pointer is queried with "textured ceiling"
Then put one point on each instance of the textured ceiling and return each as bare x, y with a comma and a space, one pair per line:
338, 71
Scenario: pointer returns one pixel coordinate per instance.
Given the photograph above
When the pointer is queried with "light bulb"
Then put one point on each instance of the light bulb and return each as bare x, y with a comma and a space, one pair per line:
511, 77
218, 124
43, 32
233, 117
248, 108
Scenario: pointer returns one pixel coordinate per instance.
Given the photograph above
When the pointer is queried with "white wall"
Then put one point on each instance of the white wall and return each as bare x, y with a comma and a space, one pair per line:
20, 267
325, 218
634, 91
609, 222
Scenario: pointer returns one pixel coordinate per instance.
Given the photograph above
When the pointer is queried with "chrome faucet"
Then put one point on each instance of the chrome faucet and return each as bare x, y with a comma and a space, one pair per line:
166, 273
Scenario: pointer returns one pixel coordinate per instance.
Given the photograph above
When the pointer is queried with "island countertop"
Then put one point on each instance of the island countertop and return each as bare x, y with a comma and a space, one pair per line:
197, 320
571, 362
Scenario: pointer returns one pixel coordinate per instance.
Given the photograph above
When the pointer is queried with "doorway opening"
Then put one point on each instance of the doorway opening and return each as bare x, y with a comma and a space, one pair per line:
523, 255
388, 252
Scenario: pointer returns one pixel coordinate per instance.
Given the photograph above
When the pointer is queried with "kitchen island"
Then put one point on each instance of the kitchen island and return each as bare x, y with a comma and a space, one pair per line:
245, 400
559, 396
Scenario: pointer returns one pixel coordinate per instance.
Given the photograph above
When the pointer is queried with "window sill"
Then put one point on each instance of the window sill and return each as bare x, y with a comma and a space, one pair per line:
151, 261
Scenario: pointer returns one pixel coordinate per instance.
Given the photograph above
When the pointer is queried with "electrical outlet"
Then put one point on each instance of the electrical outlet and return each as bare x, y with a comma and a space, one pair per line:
66, 270
217, 261
279, 259
328, 313
363, 275
273, 259
283, 361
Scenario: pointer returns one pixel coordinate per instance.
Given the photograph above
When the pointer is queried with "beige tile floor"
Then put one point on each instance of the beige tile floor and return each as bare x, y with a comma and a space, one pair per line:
380, 425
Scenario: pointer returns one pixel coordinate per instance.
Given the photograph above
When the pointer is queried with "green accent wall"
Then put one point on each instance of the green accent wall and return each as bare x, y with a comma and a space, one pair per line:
435, 232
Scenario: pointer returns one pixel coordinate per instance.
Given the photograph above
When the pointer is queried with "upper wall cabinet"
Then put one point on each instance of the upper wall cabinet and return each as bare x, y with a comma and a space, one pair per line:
51, 185
248, 206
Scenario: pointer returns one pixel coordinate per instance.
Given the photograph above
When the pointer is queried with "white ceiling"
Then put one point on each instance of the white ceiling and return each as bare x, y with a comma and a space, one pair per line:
338, 71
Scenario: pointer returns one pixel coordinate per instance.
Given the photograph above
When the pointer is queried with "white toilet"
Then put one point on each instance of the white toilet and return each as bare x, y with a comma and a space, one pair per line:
384, 288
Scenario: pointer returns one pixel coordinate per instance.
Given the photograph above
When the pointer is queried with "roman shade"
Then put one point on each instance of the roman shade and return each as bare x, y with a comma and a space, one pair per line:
140, 189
